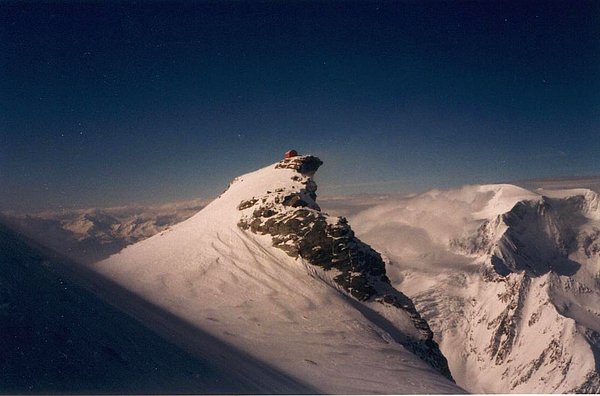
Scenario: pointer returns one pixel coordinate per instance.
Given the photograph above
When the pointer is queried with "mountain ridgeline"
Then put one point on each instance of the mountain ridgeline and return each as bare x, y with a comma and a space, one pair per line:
264, 291
298, 226
264, 270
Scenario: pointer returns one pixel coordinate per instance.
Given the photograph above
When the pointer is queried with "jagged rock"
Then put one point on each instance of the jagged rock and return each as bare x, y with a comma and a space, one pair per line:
298, 227
590, 242
246, 204
306, 165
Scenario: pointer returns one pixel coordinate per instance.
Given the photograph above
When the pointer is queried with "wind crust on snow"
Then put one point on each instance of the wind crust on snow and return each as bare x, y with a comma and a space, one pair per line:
297, 226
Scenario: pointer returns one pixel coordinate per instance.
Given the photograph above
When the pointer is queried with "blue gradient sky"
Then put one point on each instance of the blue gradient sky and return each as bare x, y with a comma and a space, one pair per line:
106, 105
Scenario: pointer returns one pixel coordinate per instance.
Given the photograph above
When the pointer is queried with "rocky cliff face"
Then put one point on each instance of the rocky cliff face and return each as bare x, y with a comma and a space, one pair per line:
535, 236
541, 258
508, 280
297, 226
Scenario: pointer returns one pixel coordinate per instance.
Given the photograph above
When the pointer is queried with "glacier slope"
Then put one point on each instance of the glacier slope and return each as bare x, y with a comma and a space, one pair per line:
235, 285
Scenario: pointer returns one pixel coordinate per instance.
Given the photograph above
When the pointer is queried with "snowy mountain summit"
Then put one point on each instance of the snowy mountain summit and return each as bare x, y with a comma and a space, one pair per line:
507, 278
263, 269
542, 260
298, 226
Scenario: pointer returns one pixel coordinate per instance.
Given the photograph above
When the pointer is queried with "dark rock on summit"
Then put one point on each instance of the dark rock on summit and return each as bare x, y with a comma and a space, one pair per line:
306, 164
298, 227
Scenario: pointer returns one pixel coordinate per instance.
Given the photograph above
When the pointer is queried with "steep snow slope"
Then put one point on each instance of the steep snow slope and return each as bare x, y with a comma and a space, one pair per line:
508, 279
323, 318
58, 337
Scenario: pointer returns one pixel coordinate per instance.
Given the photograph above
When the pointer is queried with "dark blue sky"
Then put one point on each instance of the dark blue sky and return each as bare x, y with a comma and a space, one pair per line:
147, 102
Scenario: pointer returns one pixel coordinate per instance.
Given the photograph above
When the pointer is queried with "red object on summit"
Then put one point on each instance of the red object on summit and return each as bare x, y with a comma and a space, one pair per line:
290, 154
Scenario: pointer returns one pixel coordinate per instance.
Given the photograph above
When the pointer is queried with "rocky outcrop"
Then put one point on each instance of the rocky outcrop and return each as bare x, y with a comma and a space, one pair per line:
505, 325
305, 165
297, 226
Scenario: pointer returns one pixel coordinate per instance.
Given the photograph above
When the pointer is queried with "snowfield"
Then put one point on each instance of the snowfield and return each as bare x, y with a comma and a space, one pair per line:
58, 336
237, 287
508, 279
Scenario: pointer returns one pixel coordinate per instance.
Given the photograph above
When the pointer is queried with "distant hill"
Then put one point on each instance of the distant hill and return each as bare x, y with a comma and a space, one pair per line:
89, 235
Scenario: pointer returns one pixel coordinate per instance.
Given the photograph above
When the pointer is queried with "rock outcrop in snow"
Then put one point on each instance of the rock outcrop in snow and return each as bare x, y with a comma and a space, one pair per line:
263, 269
297, 226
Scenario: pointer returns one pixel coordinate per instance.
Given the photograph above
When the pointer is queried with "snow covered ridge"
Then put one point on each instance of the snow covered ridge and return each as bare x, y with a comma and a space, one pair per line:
60, 337
297, 226
538, 235
355, 337
507, 278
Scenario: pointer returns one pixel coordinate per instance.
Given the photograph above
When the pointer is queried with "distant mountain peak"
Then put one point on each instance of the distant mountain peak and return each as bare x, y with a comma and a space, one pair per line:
508, 279
535, 235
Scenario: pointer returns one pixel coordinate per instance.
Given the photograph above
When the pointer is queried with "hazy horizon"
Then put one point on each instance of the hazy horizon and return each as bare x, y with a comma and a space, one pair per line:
325, 196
